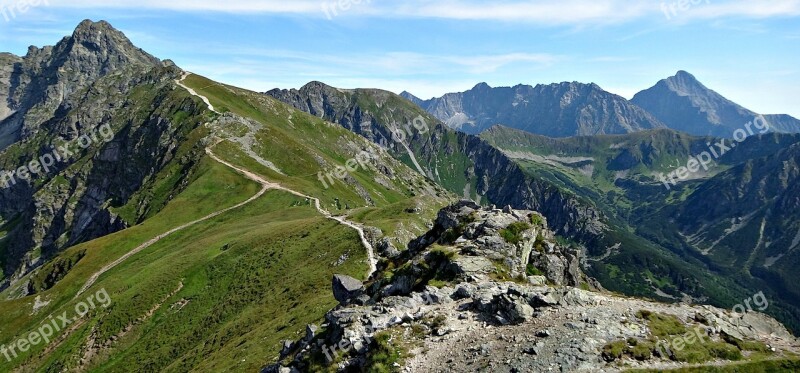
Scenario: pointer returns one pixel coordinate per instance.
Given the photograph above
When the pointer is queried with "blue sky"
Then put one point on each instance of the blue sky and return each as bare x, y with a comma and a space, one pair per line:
749, 51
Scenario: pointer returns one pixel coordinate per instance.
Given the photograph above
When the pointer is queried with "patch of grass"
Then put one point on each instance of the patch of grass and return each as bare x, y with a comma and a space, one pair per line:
384, 353
49, 274
436, 322
760, 366
642, 350
614, 350
513, 233
755, 346
531, 270
537, 220
539, 243
662, 325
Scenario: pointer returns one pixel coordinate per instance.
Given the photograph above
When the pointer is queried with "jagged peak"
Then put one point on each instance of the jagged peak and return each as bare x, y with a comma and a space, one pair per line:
101, 39
684, 82
315, 84
407, 94
89, 31
88, 25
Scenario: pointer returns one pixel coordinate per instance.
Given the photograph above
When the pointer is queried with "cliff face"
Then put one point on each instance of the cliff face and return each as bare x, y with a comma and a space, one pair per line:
104, 118
40, 84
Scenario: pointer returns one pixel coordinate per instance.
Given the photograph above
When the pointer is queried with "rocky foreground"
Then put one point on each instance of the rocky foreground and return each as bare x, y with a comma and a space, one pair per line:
491, 290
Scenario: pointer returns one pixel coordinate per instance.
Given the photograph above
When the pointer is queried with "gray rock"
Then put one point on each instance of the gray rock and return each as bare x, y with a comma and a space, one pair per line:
311, 332
346, 288
386, 249
286, 348
578, 297
463, 291
537, 280
520, 312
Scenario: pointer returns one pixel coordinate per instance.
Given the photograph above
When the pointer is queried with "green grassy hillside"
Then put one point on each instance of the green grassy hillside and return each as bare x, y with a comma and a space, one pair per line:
221, 294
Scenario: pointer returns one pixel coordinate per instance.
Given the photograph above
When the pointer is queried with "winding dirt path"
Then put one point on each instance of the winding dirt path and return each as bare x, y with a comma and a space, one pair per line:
155, 239
265, 186
317, 205
194, 93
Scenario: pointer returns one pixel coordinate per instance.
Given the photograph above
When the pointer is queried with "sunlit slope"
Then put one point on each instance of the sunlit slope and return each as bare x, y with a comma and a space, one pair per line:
221, 294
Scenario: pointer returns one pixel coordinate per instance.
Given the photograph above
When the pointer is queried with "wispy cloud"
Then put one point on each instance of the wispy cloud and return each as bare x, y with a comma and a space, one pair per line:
393, 63
748, 9
537, 12
232, 6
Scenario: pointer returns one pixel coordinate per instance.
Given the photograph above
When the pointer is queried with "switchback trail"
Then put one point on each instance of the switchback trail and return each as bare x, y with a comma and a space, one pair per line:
265, 186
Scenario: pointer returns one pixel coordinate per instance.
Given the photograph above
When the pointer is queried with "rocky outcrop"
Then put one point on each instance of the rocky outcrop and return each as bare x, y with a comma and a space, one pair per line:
484, 312
471, 251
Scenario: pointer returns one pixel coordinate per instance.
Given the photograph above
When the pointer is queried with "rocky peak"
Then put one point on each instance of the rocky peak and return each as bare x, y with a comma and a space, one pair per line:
46, 77
107, 46
685, 83
410, 97
683, 103
483, 86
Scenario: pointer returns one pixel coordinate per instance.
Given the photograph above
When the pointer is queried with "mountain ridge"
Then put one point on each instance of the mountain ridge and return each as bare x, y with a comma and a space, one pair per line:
556, 110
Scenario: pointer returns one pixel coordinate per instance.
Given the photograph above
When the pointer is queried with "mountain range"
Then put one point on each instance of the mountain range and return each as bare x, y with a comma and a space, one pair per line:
328, 229
679, 102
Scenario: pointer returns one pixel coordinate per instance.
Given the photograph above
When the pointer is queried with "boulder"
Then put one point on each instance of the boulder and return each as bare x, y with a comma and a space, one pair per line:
286, 348
386, 249
537, 280
346, 288
311, 332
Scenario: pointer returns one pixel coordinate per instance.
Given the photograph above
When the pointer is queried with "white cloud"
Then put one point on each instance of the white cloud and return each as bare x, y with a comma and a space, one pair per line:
537, 12
231, 6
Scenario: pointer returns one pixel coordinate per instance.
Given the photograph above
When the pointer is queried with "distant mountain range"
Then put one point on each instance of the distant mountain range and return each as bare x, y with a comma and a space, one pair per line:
565, 109
555, 110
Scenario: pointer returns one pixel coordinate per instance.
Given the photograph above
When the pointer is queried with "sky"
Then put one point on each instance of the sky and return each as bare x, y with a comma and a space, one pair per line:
747, 50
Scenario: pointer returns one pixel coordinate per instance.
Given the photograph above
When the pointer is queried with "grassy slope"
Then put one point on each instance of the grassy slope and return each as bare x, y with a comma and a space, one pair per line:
271, 280
244, 289
293, 141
